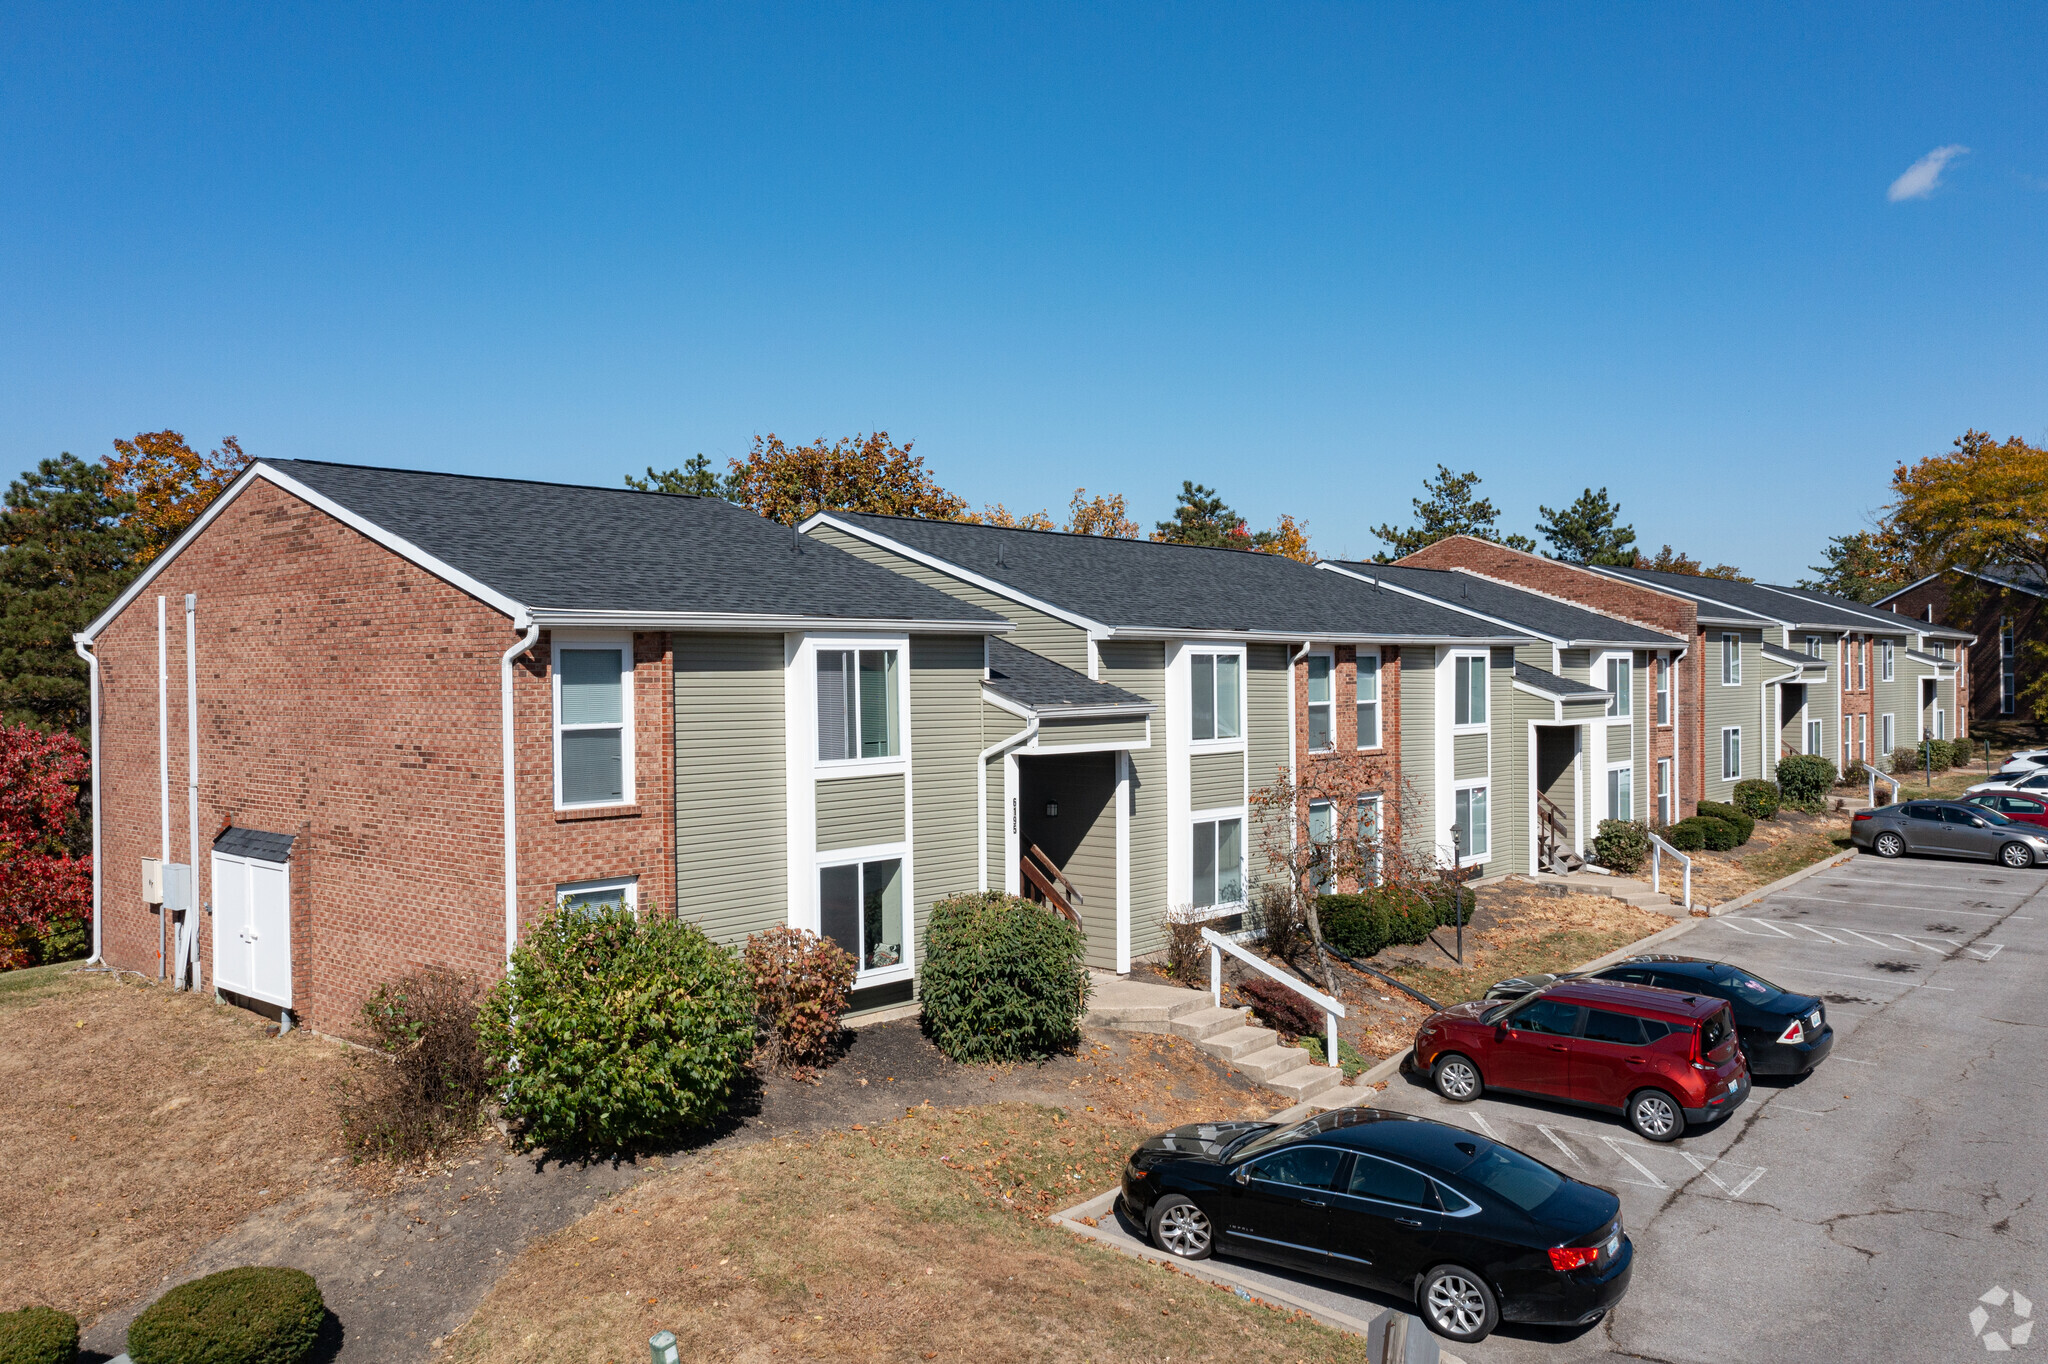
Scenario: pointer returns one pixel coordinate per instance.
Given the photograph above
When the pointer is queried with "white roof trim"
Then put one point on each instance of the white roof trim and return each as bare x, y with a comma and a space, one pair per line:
1892, 621
952, 569
1663, 640
737, 620
1312, 637
1747, 615
1330, 567
1967, 572
405, 549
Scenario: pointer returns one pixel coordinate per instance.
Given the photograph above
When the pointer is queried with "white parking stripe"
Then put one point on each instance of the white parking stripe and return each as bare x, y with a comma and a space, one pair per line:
1886, 904
1557, 1141
1615, 1144
1480, 1118
1766, 923
1921, 945
1811, 929
1865, 936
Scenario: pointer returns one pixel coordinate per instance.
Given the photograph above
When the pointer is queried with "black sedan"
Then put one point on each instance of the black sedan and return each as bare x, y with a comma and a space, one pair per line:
1781, 1033
1473, 1231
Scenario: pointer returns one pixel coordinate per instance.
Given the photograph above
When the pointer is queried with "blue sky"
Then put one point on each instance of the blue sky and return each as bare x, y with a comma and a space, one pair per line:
1300, 253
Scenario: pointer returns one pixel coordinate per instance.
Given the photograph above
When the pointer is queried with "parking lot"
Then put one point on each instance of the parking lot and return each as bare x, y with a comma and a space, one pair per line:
1860, 1212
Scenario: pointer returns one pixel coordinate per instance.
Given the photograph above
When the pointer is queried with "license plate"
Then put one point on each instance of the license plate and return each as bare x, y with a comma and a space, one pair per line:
1613, 1244
1814, 1018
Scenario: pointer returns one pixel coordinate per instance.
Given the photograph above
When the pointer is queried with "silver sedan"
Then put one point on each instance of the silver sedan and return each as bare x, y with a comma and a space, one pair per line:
1948, 829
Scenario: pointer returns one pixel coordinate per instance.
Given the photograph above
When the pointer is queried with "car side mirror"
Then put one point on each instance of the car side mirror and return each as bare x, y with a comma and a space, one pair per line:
1242, 1175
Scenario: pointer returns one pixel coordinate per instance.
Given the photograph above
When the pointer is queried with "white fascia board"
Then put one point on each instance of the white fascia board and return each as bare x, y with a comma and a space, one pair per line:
1917, 582
714, 620
1561, 697
1024, 712
1536, 636
1890, 619
1005, 704
1751, 617
405, 549
1003, 590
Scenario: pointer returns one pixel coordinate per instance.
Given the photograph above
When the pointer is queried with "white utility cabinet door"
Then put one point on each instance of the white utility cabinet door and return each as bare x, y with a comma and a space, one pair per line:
252, 930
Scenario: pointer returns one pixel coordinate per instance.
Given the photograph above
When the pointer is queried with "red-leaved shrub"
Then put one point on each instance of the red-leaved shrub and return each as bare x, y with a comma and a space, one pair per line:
1281, 1009
802, 983
40, 883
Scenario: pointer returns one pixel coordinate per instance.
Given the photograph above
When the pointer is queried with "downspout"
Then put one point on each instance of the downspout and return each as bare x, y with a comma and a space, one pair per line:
988, 755
92, 682
192, 777
163, 775
526, 641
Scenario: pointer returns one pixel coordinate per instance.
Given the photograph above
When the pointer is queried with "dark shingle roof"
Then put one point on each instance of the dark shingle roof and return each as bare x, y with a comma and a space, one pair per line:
1037, 682
264, 847
1878, 619
1518, 607
568, 547
1784, 655
1144, 585
1553, 685
1743, 598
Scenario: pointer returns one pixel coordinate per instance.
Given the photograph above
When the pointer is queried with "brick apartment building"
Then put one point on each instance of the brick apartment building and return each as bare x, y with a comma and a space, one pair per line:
2001, 613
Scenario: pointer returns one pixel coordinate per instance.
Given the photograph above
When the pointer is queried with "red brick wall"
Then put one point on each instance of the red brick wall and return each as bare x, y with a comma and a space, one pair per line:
1861, 664
349, 698
1610, 596
1377, 769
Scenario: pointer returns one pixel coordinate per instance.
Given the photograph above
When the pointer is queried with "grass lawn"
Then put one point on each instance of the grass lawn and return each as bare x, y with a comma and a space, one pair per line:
1519, 931
136, 1125
917, 1239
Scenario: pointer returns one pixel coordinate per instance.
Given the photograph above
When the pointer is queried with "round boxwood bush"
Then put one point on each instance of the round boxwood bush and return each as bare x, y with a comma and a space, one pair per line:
251, 1315
1744, 825
1384, 916
613, 1032
1717, 835
38, 1335
1757, 798
1003, 979
1622, 845
1685, 836
1806, 779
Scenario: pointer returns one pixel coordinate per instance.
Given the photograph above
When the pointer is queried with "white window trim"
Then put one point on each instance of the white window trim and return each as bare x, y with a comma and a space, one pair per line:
1244, 875
1485, 784
873, 852
1728, 639
1601, 666
1379, 703
1665, 798
629, 884
1886, 669
1330, 656
1485, 658
1816, 736
1727, 730
1377, 800
575, 639
1887, 733
1187, 719
1814, 645
1660, 669
833, 769
1607, 783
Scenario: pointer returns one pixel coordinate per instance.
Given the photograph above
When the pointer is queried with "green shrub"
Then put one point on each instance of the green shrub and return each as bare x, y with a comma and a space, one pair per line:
1716, 835
1744, 825
1806, 779
1685, 836
1003, 979
613, 1032
252, 1315
1372, 920
1931, 753
1757, 798
1854, 773
426, 1087
1355, 1063
38, 1335
1622, 845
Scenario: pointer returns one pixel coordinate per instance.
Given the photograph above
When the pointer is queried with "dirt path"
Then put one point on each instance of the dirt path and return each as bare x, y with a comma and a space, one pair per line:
401, 1269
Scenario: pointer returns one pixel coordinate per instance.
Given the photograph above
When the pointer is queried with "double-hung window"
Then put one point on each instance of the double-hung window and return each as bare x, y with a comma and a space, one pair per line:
1863, 665
2008, 668
1322, 836
1621, 796
1218, 862
1322, 708
1474, 830
1468, 681
1621, 681
1731, 753
1813, 646
1731, 660
593, 723
1884, 662
1215, 684
1368, 699
594, 897
1663, 791
1886, 734
1815, 738
1369, 836
1662, 667
860, 907
858, 711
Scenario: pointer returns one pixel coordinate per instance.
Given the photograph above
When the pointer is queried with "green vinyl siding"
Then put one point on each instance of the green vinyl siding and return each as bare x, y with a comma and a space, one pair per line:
1091, 733
1468, 757
1042, 634
1140, 666
946, 717
854, 812
1418, 745
1215, 780
1540, 656
1739, 705
1578, 666
731, 813
1268, 742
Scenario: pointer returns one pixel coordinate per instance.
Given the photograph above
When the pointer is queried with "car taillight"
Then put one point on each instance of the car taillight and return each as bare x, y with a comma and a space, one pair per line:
1865, 814
1792, 1032
1566, 1258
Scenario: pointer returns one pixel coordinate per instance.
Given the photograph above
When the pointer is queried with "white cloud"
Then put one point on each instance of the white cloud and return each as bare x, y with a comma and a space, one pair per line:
1923, 177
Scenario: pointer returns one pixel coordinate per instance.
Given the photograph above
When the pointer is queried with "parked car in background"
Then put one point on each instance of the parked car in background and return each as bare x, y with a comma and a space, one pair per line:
1946, 828
2034, 779
1659, 1058
1476, 1233
1781, 1033
2023, 761
2020, 807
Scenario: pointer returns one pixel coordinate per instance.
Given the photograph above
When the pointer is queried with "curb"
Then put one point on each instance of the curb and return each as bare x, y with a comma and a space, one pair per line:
1750, 897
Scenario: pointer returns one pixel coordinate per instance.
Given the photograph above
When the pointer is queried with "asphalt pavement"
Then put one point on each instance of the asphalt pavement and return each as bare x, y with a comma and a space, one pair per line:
1893, 1204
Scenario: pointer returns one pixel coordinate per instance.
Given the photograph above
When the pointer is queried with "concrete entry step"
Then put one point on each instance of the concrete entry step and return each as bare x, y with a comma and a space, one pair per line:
1124, 1005
1623, 888
1120, 1004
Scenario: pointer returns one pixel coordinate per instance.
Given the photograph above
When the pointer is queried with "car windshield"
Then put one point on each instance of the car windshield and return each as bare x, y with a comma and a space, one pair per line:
1266, 1139
1501, 1010
1988, 815
1526, 1183
1746, 987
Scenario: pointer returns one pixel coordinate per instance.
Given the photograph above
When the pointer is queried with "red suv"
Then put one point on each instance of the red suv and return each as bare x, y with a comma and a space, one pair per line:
1662, 1057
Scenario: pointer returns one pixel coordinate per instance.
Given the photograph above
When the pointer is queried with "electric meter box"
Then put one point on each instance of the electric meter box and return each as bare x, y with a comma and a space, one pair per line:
152, 881
177, 887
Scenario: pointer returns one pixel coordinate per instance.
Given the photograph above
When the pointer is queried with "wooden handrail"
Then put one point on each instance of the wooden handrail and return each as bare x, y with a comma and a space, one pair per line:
1052, 869
1044, 887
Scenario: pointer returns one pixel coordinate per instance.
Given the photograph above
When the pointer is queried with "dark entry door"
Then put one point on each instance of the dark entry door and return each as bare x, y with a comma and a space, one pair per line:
1067, 807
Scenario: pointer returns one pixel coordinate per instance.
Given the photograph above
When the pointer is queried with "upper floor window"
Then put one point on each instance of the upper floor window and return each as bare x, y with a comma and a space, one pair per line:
1322, 709
1368, 700
1862, 665
593, 723
1217, 700
1731, 660
1468, 680
1884, 662
1813, 646
858, 710
1662, 669
1621, 681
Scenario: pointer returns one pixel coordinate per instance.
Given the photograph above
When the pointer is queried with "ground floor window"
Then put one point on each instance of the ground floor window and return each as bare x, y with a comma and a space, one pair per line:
588, 897
1885, 734
1470, 823
1663, 791
1219, 862
860, 907
1621, 796
1814, 736
1940, 723
1370, 835
1322, 832
1731, 753
1862, 738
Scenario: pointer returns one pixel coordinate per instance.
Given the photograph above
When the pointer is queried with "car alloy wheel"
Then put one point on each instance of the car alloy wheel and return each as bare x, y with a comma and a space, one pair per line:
1458, 1304
1180, 1228
1888, 844
1655, 1116
2016, 855
1456, 1078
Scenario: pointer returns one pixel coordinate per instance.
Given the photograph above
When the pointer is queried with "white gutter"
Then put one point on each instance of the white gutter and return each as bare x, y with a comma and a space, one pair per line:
988, 755
92, 682
192, 778
649, 621
521, 621
163, 775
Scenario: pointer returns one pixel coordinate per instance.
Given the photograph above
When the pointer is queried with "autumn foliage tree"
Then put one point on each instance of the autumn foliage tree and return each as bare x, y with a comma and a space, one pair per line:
1103, 514
870, 473
1200, 517
40, 883
1982, 504
1669, 560
169, 483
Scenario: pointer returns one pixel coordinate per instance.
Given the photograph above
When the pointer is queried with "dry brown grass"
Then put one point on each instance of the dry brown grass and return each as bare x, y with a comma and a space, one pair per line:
1777, 848
1520, 931
135, 1126
913, 1240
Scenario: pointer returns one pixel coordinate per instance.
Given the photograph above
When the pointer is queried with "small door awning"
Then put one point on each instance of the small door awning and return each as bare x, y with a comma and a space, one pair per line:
264, 847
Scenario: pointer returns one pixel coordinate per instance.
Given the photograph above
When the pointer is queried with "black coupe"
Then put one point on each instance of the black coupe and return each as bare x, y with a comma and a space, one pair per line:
1473, 1231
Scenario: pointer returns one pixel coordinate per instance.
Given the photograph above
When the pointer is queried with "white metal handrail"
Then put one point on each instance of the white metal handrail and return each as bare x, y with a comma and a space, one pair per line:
1333, 1009
1886, 777
1658, 847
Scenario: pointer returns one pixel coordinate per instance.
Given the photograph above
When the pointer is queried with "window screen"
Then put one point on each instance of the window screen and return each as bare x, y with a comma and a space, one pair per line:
1368, 701
1321, 709
1469, 681
592, 723
1219, 862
